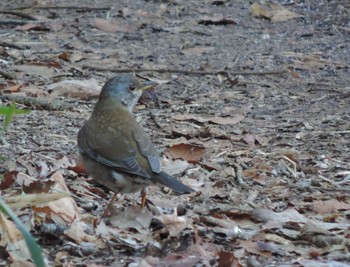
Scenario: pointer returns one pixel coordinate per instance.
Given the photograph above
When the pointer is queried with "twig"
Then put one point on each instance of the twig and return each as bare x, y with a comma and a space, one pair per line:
194, 72
218, 222
208, 175
6, 44
44, 103
327, 180
294, 171
12, 22
87, 8
19, 14
6, 75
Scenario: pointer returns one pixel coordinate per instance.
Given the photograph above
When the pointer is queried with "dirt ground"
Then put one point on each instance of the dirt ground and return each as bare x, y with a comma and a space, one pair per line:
252, 112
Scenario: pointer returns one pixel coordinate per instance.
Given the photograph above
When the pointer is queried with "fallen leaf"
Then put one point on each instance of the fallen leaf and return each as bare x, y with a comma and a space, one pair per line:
188, 152
86, 89
175, 224
249, 139
71, 56
227, 259
64, 208
8, 179
13, 88
78, 232
33, 27
27, 200
173, 167
273, 11
319, 236
278, 219
252, 247
12, 240
109, 26
330, 206
132, 217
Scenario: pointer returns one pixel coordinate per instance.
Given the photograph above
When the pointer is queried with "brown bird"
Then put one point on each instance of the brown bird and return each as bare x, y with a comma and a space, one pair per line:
115, 150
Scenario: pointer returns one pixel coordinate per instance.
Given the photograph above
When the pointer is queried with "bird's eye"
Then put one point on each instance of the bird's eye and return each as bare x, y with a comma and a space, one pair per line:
132, 87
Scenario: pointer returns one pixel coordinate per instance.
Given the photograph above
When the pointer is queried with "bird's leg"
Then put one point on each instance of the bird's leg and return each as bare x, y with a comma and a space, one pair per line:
110, 204
143, 198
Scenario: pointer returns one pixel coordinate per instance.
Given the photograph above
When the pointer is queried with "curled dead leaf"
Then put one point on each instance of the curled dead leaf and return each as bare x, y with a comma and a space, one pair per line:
188, 152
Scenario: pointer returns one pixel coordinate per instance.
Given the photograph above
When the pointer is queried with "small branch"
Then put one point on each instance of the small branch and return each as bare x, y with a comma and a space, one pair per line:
194, 72
6, 44
87, 8
44, 103
13, 22
18, 14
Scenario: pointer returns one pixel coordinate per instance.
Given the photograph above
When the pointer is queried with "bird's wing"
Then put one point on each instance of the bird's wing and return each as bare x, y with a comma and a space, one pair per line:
127, 149
147, 149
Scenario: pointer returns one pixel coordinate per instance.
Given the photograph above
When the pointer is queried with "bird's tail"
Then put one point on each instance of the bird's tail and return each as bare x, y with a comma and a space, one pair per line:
171, 182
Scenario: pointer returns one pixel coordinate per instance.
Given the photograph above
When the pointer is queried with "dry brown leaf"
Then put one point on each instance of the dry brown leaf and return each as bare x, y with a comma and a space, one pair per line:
87, 89
24, 179
78, 232
319, 236
8, 179
277, 219
133, 217
175, 224
227, 259
188, 152
273, 11
12, 239
173, 167
64, 208
33, 27
13, 88
330, 206
38, 186
282, 14
252, 247
249, 139
294, 74
34, 91
27, 200
109, 26
71, 56
260, 11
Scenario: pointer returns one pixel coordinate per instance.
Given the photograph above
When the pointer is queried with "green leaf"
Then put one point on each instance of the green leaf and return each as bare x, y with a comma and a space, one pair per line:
34, 248
9, 111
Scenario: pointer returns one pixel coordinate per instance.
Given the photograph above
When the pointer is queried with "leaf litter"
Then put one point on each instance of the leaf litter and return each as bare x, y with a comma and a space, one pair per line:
266, 154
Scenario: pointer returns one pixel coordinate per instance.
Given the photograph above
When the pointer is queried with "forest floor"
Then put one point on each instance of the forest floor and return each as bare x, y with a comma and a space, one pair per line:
252, 111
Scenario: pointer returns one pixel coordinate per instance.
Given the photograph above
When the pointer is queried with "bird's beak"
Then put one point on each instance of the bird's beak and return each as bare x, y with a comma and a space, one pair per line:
148, 85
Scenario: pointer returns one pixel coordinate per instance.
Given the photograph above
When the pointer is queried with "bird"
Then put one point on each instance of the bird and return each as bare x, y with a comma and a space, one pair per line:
115, 149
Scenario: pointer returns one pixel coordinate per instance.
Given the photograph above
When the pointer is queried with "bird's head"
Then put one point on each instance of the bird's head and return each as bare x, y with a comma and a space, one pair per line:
125, 89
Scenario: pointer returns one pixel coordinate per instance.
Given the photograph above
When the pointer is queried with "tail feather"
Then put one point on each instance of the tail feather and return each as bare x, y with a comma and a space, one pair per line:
171, 182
